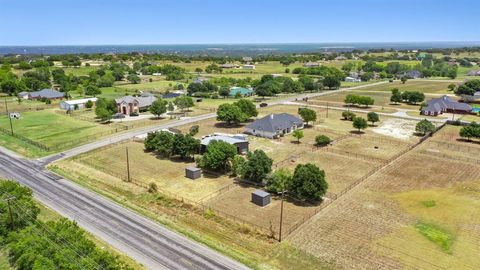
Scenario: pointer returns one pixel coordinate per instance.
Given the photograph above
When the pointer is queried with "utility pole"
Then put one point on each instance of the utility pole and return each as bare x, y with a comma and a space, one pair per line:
327, 109
281, 218
128, 166
8, 115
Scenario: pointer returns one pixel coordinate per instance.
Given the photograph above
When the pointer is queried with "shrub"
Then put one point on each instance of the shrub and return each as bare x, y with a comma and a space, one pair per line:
152, 187
322, 140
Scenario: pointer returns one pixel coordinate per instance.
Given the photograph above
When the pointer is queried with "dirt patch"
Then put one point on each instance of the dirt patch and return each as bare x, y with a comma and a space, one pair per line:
396, 128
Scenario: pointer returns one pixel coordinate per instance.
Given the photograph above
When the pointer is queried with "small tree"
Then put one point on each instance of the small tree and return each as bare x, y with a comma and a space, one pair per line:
308, 182
247, 107
184, 102
308, 115
470, 131
170, 107
424, 127
133, 78
237, 165
218, 156
452, 87
347, 115
359, 123
193, 130
89, 104
230, 114
279, 181
298, 134
152, 187
396, 96
257, 166
322, 140
158, 107
373, 117
404, 79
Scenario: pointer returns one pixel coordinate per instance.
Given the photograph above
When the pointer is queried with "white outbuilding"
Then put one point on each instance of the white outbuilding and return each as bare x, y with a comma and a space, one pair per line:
70, 105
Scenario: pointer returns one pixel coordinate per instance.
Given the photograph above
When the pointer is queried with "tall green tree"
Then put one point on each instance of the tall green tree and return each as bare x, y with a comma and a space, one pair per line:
257, 166
308, 115
218, 156
230, 114
359, 123
424, 127
158, 107
308, 182
373, 117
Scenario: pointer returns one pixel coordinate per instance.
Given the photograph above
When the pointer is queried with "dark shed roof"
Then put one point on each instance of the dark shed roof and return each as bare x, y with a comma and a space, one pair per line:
274, 122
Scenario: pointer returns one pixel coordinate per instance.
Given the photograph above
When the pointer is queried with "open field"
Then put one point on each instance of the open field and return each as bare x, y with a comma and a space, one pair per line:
425, 86
419, 212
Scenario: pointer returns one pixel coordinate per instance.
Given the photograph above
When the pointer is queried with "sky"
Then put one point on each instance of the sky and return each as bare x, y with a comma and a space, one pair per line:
105, 22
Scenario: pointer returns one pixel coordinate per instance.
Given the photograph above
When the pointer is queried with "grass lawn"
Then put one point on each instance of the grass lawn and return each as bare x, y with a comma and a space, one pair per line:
425, 86
48, 128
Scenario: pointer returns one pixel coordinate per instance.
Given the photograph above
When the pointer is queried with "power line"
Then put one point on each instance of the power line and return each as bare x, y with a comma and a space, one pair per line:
64, 241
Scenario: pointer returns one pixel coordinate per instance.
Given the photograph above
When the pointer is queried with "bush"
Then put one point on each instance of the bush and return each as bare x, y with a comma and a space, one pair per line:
347, 115
322, 140
152, 187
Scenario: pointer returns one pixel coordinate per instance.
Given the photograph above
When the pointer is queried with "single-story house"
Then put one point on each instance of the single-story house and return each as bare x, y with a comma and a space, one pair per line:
244, 92
248, 66
354, 74
247, 59
228, 66
171, 95
341, 57
351, 79
156, 74
69, 105
412, 74
129, 104
311, 64
443, 104
42, 94
274, 125
473, 98
200, 80
238, 140
473, 73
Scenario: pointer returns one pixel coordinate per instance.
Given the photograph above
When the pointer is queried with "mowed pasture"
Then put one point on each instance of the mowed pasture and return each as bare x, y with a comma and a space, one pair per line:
421, 211
425, 86
50, 129
146, 168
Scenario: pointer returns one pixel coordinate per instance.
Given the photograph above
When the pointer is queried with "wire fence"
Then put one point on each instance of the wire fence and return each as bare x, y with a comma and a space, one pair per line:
25, 139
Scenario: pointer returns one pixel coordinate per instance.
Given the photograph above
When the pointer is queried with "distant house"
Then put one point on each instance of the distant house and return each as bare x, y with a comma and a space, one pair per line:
473, 73
171, 95
248, 66
353, 74
200, 80
473, 98
42, 94
247, 59
274, 125
443, 104
340, 58
244, 92
156, 74
311, 64
69, 105
276, 75
239, 140
228, 66
351, 79
412, 74
128, 104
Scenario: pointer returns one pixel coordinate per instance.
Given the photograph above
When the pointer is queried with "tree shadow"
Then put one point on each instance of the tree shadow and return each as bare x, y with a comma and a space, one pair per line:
468, 141
357, 132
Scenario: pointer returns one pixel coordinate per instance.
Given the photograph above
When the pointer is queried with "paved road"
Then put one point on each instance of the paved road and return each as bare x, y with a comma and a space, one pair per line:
130, 134
142, 239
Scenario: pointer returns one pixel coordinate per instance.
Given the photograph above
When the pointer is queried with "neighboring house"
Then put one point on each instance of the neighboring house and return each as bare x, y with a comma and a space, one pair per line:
351, 79
248, 66
156, 74
473, 73
274, 125
276, 75
341, 57
443, 104
311, 64
228, 66
200, 80
412, 74
171, 95
240, 141
247, 59
244, 92
354, 74
42, 94
475, 97
69, 105
128, 104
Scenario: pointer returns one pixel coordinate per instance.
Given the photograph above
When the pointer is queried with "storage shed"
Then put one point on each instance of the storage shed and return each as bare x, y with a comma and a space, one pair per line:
261, 198
193, 172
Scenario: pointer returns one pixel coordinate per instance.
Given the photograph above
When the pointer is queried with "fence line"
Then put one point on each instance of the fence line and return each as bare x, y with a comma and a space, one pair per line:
25, 139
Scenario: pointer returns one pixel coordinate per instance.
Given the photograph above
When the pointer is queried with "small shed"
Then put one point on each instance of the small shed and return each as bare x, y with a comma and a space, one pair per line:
193, 172
261, 198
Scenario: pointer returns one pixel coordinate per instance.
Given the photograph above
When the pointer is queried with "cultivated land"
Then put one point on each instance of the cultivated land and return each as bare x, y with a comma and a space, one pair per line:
421, 211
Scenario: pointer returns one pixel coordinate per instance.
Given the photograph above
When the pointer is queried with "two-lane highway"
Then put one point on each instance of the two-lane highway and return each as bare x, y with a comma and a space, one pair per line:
144, 240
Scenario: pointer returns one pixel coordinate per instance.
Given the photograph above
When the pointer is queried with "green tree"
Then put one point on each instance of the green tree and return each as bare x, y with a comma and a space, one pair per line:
470, 131
23, 208
322, 140
92, 90
348, 115
452, 87
193, 130
404, 79
170, 107
133, 78
279, 181
247, 107
89, 104
230, 113
308, 115
162, 142
185, 145
158, 107
424, 127
218, 156
184, 102
359, 123
396, 96
103, 114
257, 166
373, 117
308, 182
237, 165
332, 82
224, 92
298, 134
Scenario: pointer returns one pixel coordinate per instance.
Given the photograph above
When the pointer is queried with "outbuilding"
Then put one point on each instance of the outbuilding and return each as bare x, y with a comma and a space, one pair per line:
70, 105
261, 198
193, 173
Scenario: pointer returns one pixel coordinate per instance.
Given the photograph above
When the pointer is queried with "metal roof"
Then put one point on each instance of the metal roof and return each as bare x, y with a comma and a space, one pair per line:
261, 193
274, 122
